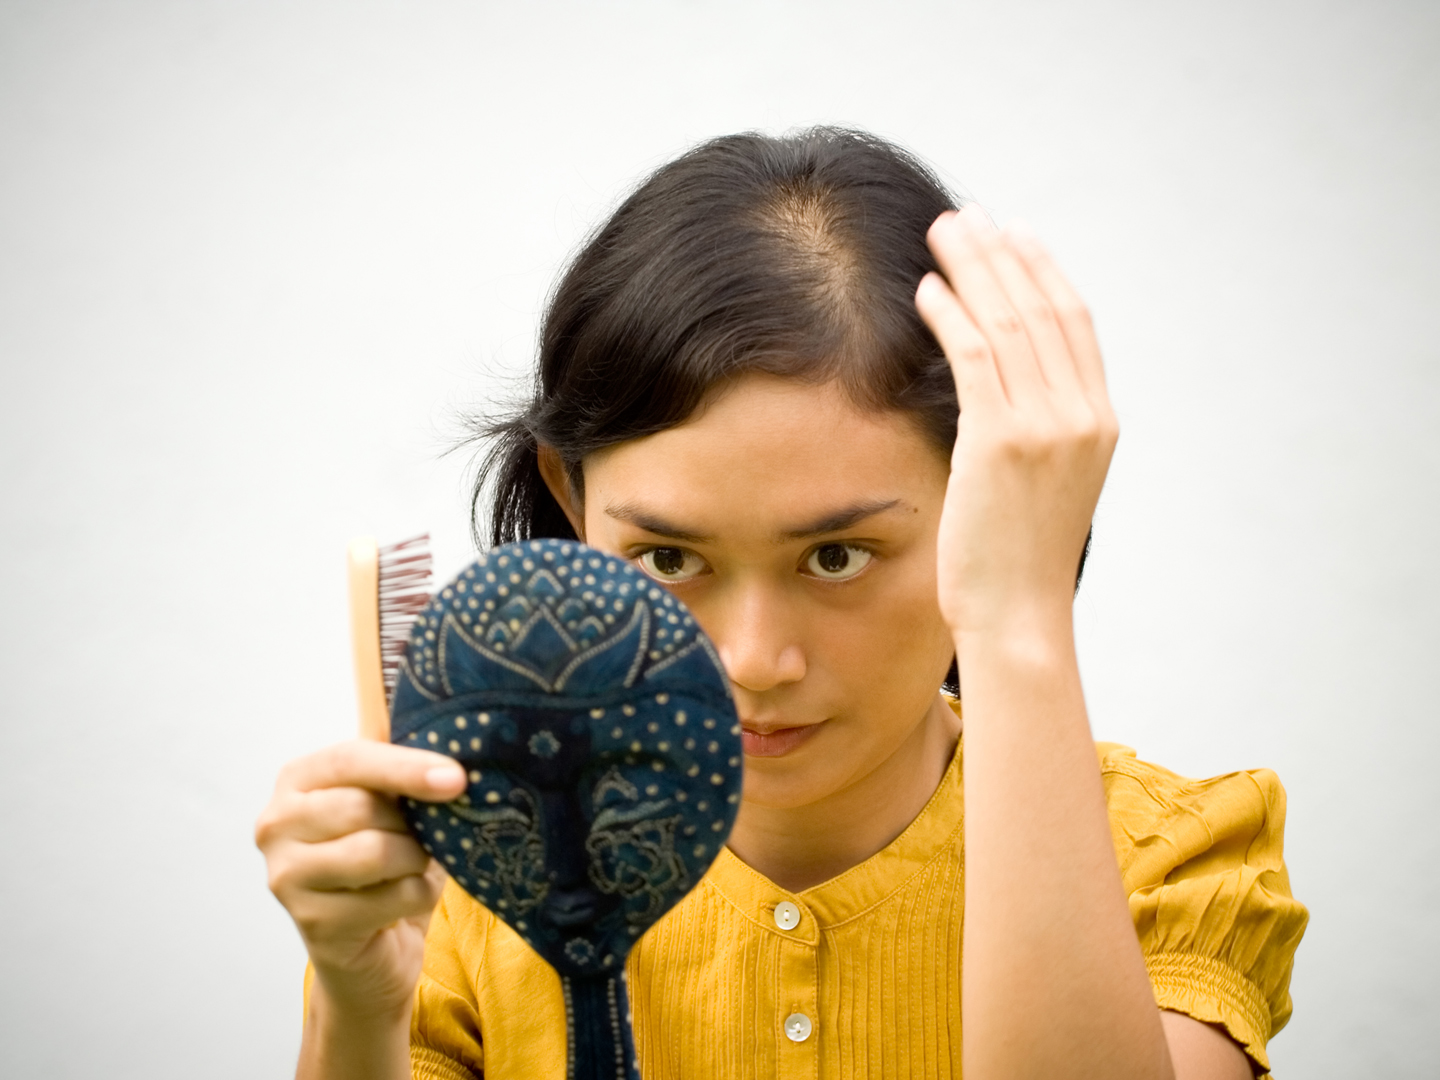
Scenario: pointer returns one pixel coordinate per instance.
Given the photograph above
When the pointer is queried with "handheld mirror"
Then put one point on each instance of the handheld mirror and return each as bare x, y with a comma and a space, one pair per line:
595, 722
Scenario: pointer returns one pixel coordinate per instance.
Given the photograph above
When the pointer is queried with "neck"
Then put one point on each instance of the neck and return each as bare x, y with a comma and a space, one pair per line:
799, 847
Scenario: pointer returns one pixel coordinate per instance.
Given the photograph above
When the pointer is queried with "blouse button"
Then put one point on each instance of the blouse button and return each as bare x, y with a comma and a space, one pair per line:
787, 917
797, 1027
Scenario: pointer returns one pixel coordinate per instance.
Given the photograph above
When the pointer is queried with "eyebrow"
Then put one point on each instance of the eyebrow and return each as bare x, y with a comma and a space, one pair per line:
835, 521
653, 523
847, 518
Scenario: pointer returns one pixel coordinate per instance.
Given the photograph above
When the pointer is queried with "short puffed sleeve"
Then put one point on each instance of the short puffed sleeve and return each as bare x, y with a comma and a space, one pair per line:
484, 999
445, 1039
1202, 863
486, 1003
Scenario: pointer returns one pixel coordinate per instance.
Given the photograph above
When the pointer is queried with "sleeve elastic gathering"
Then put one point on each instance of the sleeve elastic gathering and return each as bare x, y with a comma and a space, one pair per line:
1202, 863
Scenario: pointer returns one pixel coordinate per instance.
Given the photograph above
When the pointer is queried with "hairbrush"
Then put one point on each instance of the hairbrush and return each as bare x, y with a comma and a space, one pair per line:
595, 723
388, 587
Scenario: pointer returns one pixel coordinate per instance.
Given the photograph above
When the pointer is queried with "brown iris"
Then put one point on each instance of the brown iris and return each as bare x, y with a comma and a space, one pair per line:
667, 560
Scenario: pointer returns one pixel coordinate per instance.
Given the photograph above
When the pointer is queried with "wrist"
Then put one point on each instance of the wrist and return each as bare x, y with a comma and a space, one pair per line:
1028, 646
1027, 622
336, 1010
344, 1042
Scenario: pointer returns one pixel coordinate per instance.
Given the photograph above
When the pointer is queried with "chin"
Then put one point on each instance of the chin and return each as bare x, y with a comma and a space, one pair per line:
788, 788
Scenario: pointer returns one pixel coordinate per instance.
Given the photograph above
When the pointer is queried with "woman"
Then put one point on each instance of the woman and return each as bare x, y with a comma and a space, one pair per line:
748, 387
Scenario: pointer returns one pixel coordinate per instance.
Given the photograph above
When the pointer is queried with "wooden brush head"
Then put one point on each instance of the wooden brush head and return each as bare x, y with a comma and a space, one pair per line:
388, 587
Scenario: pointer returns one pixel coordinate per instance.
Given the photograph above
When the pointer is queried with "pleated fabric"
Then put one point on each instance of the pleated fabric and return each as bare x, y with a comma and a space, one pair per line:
872, 965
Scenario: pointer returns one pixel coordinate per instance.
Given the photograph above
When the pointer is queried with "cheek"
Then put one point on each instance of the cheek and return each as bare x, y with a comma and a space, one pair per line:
894, 650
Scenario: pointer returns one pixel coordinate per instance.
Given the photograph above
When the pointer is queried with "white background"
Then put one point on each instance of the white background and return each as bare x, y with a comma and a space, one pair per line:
256, 258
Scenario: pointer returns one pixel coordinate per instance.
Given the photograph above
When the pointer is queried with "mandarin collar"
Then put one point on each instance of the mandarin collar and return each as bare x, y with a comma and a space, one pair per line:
936, 833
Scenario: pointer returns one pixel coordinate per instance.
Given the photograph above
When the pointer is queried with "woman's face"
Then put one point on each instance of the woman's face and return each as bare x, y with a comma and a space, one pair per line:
800, 530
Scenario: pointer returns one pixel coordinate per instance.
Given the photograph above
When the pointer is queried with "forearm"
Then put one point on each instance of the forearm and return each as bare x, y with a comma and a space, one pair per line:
1055, 985
342, 1045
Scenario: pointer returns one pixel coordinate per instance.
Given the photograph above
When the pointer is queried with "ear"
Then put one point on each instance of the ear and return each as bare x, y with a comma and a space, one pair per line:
552, 471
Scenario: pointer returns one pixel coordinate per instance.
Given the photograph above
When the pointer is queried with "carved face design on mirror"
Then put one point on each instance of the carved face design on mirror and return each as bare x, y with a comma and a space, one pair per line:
595, 722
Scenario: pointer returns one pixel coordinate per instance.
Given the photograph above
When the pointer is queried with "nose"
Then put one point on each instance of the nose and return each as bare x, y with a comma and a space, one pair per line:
756, 644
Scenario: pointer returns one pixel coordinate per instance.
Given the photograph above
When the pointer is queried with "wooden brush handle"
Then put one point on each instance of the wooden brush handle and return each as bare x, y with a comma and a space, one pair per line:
364, 574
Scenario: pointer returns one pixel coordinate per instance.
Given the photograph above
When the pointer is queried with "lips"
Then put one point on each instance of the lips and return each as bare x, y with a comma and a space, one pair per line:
776, 742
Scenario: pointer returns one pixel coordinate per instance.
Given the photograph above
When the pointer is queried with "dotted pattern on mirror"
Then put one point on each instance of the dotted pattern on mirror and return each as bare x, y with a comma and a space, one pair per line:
595, 724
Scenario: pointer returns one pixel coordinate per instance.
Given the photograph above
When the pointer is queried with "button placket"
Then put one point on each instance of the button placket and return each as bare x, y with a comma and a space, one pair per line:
797, 1010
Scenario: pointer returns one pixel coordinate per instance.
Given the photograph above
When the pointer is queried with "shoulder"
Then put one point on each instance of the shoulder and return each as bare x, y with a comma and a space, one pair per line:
1202, 862
1160, 819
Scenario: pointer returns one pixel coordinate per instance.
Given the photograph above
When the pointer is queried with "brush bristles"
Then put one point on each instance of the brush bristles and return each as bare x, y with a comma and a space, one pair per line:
404, 590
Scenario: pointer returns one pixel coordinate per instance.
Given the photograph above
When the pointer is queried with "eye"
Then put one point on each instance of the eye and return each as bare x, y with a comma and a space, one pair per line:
837, 562
670, 564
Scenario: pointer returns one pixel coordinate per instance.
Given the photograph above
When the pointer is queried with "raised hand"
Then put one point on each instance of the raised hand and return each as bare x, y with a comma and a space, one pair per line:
1055, 983
1036, 428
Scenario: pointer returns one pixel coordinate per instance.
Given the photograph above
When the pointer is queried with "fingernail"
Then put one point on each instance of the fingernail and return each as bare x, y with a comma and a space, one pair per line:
444, 777
975, 218
1020, 231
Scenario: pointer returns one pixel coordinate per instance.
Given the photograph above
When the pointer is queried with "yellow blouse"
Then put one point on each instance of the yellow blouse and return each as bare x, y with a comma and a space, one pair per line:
874, 961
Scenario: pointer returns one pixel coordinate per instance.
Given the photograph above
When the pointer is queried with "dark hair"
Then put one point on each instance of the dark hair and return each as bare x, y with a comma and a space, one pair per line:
796, 256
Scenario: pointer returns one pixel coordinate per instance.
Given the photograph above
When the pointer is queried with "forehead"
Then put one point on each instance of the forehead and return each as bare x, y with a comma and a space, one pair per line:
770, 450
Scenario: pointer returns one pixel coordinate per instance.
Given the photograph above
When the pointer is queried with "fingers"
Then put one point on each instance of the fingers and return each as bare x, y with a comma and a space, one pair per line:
362, 763
964, 345
333, 824
962, 244
330, 813
1071, 315
341, 915
1037, 330
359, 860
357, 864
1048, 343
343, 864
